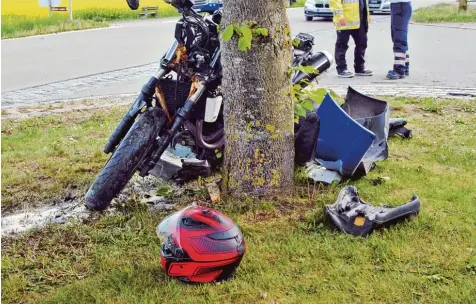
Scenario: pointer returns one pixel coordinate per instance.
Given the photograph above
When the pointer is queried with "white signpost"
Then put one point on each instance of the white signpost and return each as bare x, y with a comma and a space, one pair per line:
53, 5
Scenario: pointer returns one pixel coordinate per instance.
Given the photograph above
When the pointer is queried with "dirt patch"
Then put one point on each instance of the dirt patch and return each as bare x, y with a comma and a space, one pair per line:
139, 189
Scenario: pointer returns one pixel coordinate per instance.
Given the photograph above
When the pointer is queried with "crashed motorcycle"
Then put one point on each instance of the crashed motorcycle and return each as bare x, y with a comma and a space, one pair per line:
181, 103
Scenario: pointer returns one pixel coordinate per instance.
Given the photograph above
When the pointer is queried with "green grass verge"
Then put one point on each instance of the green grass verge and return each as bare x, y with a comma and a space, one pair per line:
444, 12
50, 157
15, 26
293, 255
298, 3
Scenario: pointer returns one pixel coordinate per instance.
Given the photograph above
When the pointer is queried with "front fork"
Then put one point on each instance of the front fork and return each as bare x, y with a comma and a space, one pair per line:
166, 139
144, 99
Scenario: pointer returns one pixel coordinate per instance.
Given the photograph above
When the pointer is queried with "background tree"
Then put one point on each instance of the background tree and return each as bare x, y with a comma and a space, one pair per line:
259, 115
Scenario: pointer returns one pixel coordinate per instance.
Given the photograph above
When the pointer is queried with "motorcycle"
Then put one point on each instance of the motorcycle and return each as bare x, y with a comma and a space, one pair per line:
181, 103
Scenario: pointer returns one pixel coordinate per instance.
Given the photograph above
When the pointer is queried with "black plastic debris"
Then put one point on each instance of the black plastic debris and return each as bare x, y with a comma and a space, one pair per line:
192, 169
356, 217
397, 127
307, 131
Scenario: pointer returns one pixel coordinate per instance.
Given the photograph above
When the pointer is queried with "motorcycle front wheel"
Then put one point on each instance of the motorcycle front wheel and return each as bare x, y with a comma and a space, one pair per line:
125, 161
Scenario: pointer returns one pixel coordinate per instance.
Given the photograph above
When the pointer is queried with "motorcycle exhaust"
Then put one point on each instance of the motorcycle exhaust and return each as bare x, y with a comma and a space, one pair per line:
321, 61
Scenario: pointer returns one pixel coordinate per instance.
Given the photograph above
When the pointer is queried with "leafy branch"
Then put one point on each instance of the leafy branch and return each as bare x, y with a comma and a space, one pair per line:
305, 98
245, 33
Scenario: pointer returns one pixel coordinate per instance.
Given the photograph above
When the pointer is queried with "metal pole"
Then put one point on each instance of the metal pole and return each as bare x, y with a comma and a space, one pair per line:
70, 10
49, 8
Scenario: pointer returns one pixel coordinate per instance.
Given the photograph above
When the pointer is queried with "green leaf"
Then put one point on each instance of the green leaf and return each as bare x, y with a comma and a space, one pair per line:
219, 155
246, 32
309, 69
296, 42
299, 110
227, 33
308, 105
243, 44
318, 95
261, 31
237, 29
297, 87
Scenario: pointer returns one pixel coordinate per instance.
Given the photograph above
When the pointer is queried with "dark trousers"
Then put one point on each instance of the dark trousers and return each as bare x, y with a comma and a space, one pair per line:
360, 39
401, 14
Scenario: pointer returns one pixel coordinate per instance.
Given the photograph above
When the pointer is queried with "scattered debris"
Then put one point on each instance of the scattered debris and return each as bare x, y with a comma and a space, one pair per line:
214, 192
321, 174
342, 141
373, 114
74, 210
354, 136
37, 218
307, 132
354, 216
397, 127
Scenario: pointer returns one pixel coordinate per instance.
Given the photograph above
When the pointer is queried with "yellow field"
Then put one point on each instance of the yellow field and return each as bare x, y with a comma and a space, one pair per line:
32, 8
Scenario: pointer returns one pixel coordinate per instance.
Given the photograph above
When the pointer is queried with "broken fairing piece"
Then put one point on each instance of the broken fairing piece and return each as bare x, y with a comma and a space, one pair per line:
397, 126
192, 169
212, 108
171, 161
342, 142
354, 216
321, 174
372, 114
307, 132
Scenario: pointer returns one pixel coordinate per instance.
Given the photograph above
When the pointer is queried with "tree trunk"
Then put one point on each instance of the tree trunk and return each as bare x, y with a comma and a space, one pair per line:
259, 115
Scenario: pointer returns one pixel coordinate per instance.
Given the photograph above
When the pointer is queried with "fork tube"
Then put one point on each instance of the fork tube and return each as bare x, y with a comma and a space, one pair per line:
165, 140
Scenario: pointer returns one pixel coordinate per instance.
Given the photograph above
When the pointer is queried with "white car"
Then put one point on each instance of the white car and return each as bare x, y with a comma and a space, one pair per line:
379, 6
317, 8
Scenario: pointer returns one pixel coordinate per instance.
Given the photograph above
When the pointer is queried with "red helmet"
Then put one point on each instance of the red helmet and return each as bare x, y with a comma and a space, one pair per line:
200, 244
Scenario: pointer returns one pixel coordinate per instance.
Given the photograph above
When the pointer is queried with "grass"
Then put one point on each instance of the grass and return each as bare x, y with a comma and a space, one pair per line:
298, 3
444, 12
15, 25
293, 255
50, 157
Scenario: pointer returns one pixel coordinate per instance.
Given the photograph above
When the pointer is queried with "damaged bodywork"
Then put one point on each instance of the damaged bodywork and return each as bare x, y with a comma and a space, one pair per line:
354, 216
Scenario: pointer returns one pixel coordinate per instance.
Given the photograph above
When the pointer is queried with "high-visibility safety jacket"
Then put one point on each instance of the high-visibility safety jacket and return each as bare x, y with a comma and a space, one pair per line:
350, 10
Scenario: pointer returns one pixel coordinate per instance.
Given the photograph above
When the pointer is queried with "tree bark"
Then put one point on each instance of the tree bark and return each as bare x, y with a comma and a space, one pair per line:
259, 115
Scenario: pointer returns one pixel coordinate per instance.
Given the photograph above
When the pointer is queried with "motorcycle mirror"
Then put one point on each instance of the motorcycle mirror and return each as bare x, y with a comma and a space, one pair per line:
133, 4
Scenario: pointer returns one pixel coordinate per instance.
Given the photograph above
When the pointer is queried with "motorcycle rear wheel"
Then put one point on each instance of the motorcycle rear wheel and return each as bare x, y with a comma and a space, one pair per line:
125, 161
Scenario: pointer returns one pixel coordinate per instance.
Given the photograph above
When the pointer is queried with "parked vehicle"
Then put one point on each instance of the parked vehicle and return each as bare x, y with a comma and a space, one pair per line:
181, 103
317, 8
379, 6
206, 6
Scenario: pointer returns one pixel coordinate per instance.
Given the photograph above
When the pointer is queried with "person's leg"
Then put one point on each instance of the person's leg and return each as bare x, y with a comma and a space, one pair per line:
399, 25
408, 16
342, 44
407, 65
360, 39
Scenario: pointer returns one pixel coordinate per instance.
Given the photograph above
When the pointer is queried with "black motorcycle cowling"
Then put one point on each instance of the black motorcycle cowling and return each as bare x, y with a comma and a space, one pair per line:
354, 216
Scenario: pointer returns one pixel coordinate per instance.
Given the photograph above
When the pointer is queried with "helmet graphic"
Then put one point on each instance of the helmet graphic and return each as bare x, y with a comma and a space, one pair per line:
200, 245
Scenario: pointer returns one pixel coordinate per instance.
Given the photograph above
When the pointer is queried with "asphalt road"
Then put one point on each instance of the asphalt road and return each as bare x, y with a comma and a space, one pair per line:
117, 60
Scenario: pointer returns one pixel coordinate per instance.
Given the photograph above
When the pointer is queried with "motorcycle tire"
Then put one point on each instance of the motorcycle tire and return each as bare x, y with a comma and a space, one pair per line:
124, 162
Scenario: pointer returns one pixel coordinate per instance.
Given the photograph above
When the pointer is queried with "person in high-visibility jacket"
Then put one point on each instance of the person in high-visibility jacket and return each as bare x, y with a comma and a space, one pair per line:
401, 13
351, 18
